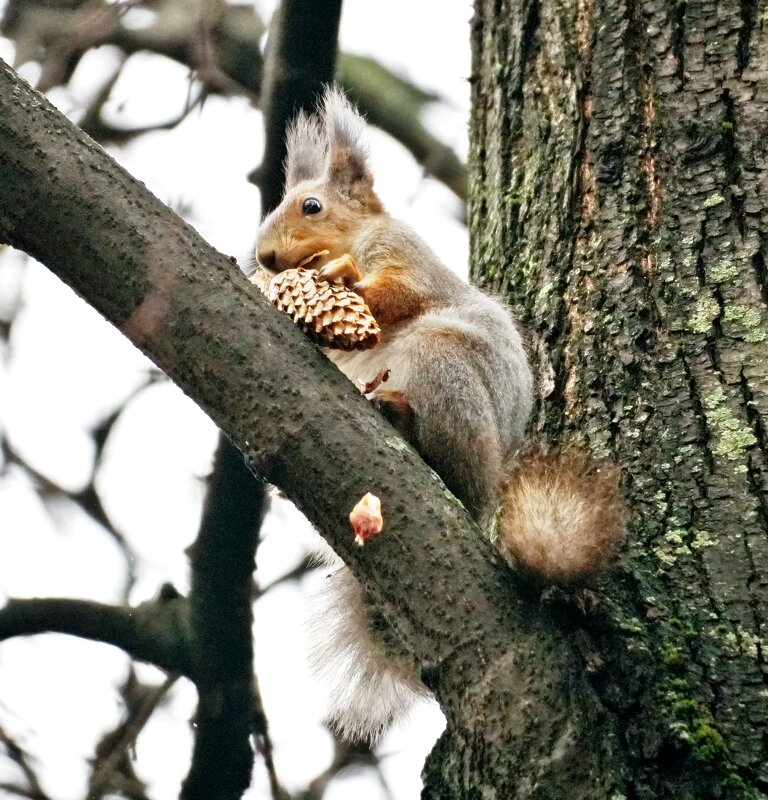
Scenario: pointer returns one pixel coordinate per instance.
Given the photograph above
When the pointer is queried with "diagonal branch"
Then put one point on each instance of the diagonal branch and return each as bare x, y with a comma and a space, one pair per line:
112, 764
299, 422
19, 757
439, 589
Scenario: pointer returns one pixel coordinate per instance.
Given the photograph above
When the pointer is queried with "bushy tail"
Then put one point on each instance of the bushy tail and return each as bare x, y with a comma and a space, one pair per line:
562, 516
366, 686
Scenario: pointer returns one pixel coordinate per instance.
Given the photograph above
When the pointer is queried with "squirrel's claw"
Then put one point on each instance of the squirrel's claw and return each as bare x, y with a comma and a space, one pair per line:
344, 269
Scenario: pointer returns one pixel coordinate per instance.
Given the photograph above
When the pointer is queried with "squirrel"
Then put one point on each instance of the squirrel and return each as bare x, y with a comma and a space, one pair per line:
459, 388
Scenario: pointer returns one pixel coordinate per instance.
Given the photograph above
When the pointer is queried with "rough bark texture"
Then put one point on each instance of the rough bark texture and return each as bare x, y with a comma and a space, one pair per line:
221, 620
620, 197
497, 660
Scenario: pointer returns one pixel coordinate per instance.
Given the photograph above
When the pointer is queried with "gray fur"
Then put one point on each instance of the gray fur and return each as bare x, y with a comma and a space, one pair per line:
331, 142
462, 367
307, 149
368, 687
471, 399
347, 164
343, 125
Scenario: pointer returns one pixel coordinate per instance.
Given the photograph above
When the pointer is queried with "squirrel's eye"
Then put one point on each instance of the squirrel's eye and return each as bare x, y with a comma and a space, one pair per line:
311, 206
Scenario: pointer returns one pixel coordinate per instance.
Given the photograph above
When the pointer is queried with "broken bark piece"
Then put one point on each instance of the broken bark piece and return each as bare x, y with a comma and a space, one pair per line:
366, 518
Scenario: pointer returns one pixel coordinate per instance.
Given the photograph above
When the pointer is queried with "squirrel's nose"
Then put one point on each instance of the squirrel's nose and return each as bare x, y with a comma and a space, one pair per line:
267, 258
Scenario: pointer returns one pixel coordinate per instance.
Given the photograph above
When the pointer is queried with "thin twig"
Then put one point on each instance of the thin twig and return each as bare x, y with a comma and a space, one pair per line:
18, 755
133, 727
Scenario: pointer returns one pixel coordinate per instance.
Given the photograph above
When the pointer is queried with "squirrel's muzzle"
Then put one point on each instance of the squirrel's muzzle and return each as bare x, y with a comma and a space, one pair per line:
267, 259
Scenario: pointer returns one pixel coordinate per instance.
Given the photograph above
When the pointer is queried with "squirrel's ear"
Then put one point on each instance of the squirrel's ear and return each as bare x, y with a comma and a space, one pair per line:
306, 150
347, 160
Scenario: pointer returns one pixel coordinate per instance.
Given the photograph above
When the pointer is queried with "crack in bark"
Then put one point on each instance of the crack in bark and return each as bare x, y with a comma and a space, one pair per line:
748, 12
678, 38
754, 478
761, 274
526, 53
650, 158
732, 161
642, 324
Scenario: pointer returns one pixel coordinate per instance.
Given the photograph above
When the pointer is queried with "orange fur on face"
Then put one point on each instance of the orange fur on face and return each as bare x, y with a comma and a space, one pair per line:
294, 236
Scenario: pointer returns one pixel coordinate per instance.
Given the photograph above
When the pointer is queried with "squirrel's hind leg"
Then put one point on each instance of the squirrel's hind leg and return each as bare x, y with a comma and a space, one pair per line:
396, 409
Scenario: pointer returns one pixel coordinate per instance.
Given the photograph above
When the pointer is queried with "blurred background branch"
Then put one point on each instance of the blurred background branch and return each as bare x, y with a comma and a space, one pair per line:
221, 44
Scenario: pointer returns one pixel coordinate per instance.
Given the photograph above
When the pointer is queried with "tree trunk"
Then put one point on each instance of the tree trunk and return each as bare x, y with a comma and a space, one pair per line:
620, 197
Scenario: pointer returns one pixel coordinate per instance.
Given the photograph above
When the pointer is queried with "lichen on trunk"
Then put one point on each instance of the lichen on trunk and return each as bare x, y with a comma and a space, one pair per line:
620, 175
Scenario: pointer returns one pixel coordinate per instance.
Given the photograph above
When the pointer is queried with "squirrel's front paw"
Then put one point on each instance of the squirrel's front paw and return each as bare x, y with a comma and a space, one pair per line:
342, 269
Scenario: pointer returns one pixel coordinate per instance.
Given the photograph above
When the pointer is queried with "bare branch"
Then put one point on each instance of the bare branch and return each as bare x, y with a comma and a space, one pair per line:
223, 561
395, 105
225, 52
165, 288
155, 632
87, 499
19, 757
112, 752
94, 125
292, 575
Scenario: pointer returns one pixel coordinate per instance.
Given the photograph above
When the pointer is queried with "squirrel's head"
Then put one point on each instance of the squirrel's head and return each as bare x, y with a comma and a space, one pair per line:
328, 189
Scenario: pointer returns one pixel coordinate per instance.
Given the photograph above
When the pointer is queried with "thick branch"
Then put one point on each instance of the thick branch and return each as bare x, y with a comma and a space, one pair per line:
190, 309
222, 620
223, 556
434, 579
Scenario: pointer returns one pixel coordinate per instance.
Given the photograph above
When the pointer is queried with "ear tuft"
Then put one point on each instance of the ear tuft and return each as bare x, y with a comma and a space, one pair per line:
306, 150
347, 151
344, 125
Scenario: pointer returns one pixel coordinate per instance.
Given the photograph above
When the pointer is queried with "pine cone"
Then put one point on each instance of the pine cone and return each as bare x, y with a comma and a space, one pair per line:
329, 313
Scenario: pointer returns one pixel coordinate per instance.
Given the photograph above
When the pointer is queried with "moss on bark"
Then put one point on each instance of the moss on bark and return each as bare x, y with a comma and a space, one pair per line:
620, 163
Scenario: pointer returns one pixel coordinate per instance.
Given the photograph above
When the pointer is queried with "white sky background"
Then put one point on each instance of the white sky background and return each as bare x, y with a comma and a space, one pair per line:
65, 370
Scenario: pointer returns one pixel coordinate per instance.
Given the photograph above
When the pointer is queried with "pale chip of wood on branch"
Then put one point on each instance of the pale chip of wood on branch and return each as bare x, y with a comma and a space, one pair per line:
329, 313
366, 518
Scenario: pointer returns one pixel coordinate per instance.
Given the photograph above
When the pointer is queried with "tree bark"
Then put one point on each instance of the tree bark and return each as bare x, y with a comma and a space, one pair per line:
619, 154
620, 197
485, 648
